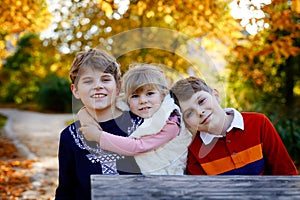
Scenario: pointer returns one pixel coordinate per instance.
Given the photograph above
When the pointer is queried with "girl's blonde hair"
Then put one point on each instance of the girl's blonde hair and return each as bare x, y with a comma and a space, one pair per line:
142, 75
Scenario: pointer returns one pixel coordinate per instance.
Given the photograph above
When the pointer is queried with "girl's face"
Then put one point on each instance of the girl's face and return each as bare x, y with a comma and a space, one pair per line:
97, 90
202, 112
145, 102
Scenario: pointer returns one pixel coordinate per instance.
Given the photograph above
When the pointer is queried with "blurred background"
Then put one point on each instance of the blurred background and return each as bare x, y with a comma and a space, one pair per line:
253, 48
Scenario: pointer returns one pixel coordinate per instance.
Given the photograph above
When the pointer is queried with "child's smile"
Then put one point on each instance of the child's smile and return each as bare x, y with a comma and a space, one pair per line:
207, 118
145, 103
98, 95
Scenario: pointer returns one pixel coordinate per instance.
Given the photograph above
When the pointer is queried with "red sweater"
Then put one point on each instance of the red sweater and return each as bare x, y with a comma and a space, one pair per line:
256, 150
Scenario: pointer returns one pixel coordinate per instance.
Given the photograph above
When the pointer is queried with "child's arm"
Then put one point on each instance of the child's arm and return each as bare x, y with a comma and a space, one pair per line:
89, 126
133, 146
278, 159
123, 145
67, 164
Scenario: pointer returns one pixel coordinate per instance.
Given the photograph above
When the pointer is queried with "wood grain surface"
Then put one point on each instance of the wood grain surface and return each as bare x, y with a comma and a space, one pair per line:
195, 187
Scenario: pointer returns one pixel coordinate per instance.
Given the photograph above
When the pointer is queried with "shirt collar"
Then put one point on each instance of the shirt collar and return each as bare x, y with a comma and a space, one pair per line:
237, 122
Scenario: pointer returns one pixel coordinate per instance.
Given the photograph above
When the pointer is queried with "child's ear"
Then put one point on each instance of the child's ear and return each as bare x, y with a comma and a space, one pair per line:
216, 93
75, 91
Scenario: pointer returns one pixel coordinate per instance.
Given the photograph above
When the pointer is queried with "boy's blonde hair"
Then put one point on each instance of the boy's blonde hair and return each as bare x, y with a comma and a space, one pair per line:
184, 89
142, 75
97, 59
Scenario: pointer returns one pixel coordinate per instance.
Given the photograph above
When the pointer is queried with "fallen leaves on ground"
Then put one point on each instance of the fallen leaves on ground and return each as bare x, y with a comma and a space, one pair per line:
13, 168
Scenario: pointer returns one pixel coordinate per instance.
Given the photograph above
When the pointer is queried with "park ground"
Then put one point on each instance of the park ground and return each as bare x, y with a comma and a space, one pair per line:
28, 154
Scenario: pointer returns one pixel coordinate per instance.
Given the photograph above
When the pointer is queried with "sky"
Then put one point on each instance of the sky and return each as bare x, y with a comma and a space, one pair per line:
250, 14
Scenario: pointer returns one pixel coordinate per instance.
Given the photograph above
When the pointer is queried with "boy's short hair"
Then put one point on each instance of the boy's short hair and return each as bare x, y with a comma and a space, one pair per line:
141, 75
184, 89
97, 59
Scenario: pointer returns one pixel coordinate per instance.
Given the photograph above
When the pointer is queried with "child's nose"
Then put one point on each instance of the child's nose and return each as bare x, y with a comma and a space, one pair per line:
98, 85
201, 111
143, 99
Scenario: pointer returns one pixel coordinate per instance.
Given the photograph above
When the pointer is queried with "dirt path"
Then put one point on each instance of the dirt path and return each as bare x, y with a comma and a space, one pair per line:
37, 136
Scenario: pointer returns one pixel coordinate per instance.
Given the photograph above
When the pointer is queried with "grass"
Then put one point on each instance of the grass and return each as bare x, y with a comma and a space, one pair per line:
2, 121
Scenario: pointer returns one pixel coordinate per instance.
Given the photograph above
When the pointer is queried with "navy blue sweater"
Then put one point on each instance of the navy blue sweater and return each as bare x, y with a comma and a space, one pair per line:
78, 158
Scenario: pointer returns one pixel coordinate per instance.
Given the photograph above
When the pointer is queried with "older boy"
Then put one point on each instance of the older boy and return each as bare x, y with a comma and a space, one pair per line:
95, 77
227, 141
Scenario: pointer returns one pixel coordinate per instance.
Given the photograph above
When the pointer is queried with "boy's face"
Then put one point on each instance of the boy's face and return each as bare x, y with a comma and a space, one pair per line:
96, 89
202, 112
145, 102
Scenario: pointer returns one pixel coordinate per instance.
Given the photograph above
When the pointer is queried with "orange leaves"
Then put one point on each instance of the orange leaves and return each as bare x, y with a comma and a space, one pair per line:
261, 63
283, 20
283, 47
278, 42
7, 149
13, 179
283, 42
258, 76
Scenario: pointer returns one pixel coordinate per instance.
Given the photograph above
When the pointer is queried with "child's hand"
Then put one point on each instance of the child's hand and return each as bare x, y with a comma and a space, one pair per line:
86, 119
91, 133
90, 128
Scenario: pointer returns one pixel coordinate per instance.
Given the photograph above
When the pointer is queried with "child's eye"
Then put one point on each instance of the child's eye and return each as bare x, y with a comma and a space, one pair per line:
134, 96
150, 93
188, 114
106, 79
87, 81
200, 101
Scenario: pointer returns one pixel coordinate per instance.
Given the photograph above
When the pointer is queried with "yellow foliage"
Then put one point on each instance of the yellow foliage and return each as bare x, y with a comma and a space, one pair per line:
168, 19
150, 14
106, 7
21, 16
53, 67
141, 7
18, 16
297, 90
296, 6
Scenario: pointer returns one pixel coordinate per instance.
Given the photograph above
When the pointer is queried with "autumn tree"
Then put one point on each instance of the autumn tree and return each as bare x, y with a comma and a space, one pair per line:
91, 23
19, 17
23, 72
265, 67
264, 71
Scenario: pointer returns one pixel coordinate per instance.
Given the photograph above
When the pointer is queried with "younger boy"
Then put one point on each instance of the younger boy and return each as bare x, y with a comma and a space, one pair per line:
228, 142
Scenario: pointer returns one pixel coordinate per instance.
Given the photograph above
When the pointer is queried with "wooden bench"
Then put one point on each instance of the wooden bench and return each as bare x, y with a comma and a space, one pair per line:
195, 187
